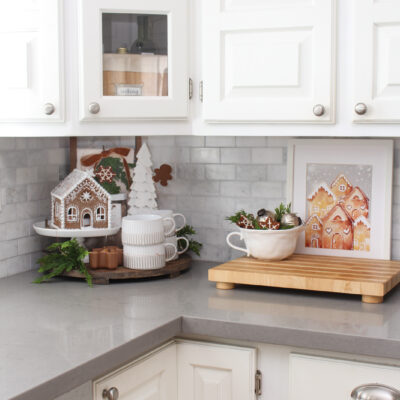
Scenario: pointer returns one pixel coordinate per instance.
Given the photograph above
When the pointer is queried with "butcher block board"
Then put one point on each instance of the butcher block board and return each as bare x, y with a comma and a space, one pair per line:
371, 279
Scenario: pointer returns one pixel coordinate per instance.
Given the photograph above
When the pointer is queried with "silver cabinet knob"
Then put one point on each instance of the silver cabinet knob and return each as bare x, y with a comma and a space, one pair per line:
319, 110
94, 108
111, 394
360, 108
375, 391
49, 108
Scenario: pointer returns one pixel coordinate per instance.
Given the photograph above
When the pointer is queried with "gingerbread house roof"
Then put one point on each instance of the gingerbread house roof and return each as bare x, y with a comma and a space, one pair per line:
314, 216
338, 178
65, 187
362, 220
334, 209
357, 189
322, 186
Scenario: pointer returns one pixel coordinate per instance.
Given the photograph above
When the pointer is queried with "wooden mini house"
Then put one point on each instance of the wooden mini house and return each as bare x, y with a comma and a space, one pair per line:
79, 202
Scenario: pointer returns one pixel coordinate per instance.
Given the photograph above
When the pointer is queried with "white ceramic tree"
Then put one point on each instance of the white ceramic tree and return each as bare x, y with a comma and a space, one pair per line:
143, 193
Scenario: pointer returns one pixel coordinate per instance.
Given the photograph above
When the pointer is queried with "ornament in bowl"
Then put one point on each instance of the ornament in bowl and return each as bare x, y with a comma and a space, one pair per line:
269, 236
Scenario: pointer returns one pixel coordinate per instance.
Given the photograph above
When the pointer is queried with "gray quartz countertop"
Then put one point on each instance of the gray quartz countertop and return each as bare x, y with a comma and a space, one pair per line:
56, 336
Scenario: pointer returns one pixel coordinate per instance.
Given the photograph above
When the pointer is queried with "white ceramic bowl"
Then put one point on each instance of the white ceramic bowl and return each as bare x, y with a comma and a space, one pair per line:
272, 245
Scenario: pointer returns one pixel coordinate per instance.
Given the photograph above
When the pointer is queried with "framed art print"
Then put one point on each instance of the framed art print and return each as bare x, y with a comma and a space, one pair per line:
342, 190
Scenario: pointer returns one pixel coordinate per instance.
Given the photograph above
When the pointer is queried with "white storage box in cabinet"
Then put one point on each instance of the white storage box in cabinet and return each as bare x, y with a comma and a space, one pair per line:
316, 378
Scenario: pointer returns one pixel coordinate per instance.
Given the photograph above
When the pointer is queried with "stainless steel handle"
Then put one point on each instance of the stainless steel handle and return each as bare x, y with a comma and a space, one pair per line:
374, 391
111, 394
49, 108
94, 108
361, 108
319, 110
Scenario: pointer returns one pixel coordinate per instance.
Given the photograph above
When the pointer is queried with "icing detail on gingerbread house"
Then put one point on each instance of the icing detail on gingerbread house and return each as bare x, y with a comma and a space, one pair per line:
79, 202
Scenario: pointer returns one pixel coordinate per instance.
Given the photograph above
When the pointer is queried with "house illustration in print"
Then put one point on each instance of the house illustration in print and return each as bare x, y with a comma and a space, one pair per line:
338, 217
341, 187
79, 202
314, 231
357, 203
321, 200
337, 231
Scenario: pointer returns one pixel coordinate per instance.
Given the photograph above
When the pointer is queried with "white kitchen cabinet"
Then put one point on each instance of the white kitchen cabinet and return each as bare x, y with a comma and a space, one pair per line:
268, 61
211, 371
185, 370
377, 61
31, 79
151, 377
314, 378
133, 59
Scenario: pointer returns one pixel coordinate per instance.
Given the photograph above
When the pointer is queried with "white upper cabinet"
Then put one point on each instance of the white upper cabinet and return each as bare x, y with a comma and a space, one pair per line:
268, 60
31, 68
133, 59
377, 61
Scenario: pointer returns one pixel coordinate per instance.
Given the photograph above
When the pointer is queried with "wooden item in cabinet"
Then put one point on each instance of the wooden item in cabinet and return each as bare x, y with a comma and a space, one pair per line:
371, 279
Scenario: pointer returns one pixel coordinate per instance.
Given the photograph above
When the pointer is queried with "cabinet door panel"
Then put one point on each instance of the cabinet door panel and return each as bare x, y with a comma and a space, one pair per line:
30, 72
377, 60
268, 60
215, 372
153, 378
313, 378
134, 59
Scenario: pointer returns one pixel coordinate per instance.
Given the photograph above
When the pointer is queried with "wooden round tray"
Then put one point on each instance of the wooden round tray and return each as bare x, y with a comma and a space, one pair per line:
103, 276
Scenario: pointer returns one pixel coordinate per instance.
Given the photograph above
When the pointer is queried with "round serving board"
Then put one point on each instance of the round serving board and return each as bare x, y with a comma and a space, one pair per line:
103, 276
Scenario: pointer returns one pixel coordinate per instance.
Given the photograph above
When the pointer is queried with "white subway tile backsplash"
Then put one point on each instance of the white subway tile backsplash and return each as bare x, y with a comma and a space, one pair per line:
220, 172
235, 188
205, 187
205, 155
190, 141
220, 141
251, 141
267, 189
251, 172
235, 156
268, 155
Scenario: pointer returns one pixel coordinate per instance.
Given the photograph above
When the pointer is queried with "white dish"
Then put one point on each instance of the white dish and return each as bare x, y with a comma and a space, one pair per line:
40, 229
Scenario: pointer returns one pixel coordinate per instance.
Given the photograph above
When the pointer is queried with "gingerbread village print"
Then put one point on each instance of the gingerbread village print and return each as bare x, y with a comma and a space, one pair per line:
338, 217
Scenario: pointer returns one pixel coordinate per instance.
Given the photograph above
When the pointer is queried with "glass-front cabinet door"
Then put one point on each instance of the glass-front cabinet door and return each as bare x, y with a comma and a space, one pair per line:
134, 59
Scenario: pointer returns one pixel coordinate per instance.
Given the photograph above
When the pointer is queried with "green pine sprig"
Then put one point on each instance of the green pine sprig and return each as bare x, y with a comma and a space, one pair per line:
194, 245
282, 209
63, 257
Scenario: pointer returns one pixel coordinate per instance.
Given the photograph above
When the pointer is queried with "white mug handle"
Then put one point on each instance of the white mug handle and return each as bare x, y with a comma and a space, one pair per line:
173, 228
187, 244
236, 247
183, 218
175, 251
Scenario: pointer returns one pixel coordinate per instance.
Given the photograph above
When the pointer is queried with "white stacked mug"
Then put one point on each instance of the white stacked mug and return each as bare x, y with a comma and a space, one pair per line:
143, 238
171, 227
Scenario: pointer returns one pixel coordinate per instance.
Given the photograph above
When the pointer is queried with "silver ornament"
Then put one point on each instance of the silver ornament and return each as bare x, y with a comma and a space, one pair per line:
263, 214
290, 219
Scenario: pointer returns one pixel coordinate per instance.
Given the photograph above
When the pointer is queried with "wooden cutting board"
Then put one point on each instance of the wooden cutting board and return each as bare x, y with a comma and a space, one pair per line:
371, 279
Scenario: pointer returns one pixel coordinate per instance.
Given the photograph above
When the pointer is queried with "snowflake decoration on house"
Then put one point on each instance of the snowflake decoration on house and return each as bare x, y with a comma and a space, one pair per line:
105, 174
86, 196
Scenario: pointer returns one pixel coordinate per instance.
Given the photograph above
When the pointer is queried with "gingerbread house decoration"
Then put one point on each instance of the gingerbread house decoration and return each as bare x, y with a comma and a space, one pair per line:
341, 187
362, 234
313, 231
337, 230
321, 200
79, 202
357, 203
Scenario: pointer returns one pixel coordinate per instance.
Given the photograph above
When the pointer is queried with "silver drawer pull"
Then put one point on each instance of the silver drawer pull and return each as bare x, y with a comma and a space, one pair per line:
111, 394
374, 391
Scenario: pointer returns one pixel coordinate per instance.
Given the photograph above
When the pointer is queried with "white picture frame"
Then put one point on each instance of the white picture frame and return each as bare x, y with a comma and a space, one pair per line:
305, 155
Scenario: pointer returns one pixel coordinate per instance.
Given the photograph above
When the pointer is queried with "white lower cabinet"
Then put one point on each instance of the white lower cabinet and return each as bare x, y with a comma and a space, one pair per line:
184, 370
316, 378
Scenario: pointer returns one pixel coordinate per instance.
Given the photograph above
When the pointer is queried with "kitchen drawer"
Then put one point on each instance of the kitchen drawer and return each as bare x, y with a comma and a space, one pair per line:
316, 378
